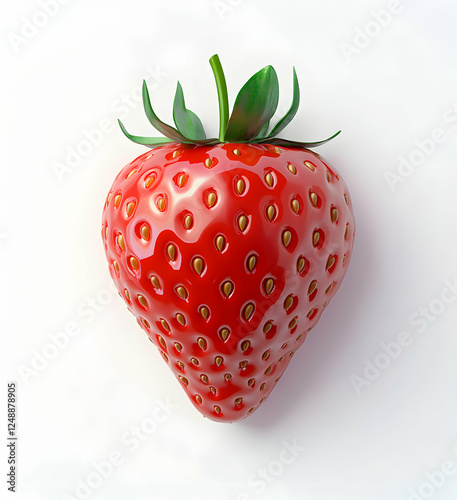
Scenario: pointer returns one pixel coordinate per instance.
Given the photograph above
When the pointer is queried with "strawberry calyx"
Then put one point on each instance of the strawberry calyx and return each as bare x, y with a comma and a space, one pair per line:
249, 122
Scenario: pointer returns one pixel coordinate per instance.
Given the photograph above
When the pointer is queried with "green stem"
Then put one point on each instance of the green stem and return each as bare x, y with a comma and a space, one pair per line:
221, 95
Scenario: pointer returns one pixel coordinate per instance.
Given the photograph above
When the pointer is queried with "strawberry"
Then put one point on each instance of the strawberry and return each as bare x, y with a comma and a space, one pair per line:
228, 250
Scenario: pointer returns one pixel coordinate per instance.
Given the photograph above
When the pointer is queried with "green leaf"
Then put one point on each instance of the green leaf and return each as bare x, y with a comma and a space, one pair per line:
159, 125
151, 142
187, 122
263, 132
289, 116
276, 141
254, 106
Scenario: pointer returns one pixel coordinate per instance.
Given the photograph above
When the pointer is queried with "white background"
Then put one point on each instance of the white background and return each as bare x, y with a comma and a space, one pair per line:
374, 438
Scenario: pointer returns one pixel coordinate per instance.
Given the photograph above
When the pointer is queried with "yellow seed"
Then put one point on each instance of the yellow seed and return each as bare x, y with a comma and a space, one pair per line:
292, 168
280, 359
236, 152
329, 288
219, 360
127, 294
121, 242
204, 379
278, 151
251, 382
198, 398
162, 342
178, 346
145, 233
267, 326
181, 365
212, 198
155, 281
108, 198
130, 207
228, 376
184, 380
344, 259
238, 401
242, 222
171, 250
268, 370
146, 323
182, 292
299, 337
165, 325
180, 318
132, 172
266, 355
240, 186
310, 166
269, 283
149, 181
106, 232
224, 333
202, 343
194, 361
288, 302
117, 200
252, 261
346, 199
164, 356
243, 364
313, 198
310, 313
220, 243
292, 323
161, 204
269, 179
188, 221
295, 205
248, 310
300, 264
271, 212
312, 287
208, 163
328, 176
181, 180
334, 214
116, 265
198, 265
134, 263
262, 387
176, 153
330, 262
227, 288
213, 391
142, 301
286, 237
316, 237
245, 345
217, 409
346, 232
204, 311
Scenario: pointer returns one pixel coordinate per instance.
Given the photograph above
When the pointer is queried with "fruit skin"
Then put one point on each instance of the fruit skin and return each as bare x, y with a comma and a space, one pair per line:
226, 380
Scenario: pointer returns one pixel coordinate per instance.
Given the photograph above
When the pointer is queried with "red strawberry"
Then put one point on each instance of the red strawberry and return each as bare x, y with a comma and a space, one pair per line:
228, 250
